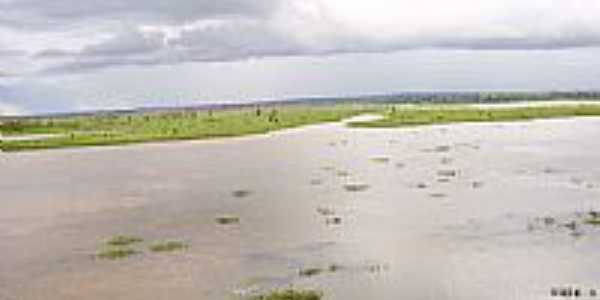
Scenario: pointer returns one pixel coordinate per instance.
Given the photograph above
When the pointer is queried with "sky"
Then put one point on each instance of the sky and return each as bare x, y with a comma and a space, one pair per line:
72, 55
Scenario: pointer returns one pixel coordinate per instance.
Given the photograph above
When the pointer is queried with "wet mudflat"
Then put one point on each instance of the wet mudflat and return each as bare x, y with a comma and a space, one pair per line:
464, 211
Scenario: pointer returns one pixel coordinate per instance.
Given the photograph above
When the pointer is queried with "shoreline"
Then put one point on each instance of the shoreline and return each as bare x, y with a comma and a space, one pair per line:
102, 131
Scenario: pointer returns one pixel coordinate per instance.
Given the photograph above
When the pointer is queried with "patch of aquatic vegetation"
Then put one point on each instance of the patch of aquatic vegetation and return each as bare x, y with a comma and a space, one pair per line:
117, 128
370, 267
123, 240
380, 159
325, 211
327, 168
291, 294
116, 252
421, 185
444, 114
447, 173
593, 218
121, 247
241, 193
437, 195
168, 246
329, 214
316, 182
477, 184
574, 224
227, 219
309, 272
343, 173
315, 271
446, 160
356, 187
438, 149
118, 247
334, 220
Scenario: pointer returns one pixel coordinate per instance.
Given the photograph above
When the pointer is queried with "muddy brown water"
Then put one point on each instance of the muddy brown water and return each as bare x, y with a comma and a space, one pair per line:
392, 240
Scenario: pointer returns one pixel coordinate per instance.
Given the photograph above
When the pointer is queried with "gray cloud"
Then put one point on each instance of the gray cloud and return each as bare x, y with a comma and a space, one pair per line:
32, 96
158, 32
229, 41
8, 53
42, 13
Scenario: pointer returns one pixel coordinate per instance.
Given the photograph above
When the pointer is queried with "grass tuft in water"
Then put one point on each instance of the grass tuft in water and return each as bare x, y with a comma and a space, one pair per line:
356, 187
116, 252
447, 173
228, 219
333, 221
241, 193
380, 159
168, 246
326, 211
309, 272
291, 294
123, 240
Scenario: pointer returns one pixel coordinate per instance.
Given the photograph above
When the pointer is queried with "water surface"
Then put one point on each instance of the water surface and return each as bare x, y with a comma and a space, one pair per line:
447, 212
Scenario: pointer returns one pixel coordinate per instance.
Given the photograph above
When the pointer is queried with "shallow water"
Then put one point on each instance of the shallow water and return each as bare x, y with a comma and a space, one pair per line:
448, 212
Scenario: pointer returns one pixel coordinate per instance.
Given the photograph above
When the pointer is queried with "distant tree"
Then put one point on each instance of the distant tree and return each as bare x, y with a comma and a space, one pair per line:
273, 116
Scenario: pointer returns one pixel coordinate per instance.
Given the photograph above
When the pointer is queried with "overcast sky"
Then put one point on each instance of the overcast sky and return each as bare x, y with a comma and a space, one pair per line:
63, 55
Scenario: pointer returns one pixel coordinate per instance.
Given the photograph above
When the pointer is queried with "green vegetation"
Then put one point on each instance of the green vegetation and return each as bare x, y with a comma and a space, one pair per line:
404, 115
116, 252
116, 247
123, 240
593, 221
168, 246
291, 294
115, 129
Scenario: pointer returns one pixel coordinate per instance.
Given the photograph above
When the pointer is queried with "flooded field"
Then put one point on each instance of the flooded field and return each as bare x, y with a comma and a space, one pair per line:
464, 211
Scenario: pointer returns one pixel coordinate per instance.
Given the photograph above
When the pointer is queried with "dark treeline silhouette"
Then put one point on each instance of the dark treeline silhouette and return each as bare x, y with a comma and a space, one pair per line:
395, 98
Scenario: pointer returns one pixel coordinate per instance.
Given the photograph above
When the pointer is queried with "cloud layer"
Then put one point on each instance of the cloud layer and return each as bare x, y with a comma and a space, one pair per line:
156, 32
